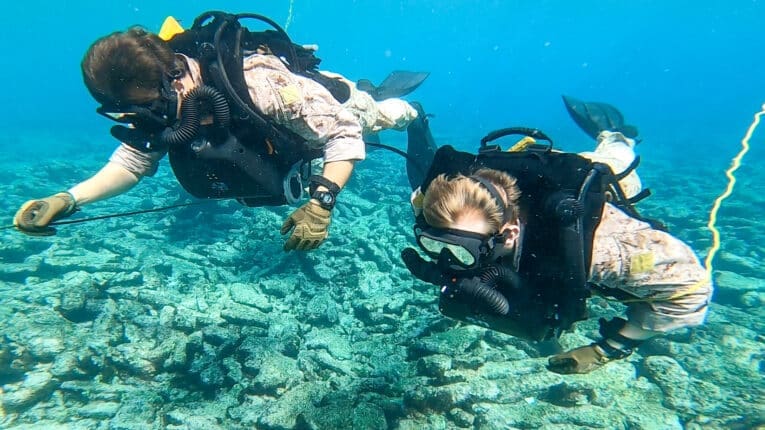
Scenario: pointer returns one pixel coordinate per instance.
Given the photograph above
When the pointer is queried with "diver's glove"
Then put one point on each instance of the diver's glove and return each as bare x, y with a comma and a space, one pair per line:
585, 359
34, 216
310, 223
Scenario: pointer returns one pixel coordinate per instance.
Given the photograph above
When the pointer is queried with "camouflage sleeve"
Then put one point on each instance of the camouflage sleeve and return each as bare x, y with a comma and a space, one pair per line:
305, 107
136, 162
650, 264
373, 115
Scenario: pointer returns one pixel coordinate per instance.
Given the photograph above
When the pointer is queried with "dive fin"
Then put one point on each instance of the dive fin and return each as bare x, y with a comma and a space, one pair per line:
421, 148
171, 27
398, 84
594, 117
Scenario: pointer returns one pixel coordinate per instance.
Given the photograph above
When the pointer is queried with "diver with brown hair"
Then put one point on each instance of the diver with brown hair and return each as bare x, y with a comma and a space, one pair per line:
518, 240
240, 114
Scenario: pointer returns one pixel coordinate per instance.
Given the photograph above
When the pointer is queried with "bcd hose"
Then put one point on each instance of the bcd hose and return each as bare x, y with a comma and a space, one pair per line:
190, 115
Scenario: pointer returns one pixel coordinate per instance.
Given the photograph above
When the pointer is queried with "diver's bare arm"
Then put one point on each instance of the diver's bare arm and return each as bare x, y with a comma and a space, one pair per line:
110, 181
338, 172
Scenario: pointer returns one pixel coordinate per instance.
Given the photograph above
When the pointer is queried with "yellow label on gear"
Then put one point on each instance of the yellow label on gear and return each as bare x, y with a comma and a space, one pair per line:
641, 263
417, 200
290, 94
170, 28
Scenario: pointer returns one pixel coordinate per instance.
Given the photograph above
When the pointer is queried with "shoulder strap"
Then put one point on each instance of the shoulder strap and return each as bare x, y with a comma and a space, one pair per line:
218, 41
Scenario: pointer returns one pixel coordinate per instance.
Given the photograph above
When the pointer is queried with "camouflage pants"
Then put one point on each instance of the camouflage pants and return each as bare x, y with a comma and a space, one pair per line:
650, 264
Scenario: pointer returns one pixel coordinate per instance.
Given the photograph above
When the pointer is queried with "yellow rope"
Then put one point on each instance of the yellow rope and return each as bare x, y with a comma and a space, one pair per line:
735, 164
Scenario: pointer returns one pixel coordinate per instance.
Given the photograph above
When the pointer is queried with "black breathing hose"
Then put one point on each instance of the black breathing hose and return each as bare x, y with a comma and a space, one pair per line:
190, 115
485, 292
486, 296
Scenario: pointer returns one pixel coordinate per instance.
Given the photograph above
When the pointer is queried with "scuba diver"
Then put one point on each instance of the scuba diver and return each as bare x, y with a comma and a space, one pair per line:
518, 240
241, 114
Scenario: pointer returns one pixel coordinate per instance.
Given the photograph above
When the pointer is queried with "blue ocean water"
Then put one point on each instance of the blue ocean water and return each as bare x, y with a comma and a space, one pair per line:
689, 74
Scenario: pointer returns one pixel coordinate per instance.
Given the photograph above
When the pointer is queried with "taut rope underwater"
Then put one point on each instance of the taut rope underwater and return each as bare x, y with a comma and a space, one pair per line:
735, 164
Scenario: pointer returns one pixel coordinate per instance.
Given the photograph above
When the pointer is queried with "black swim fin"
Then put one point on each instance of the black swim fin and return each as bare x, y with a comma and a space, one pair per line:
421, 147
594, 117
398, 84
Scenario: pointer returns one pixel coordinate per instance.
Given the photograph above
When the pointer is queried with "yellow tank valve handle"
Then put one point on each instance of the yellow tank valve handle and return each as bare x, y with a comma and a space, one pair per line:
170, 28
522, 144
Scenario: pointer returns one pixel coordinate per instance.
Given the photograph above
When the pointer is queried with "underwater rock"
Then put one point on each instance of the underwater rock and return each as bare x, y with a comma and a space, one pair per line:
275, 373
291, 408
322, 310
221, 335
185, 321
45, 349
737, 263
569, 395
138, 410
247, 294
98, 410
135, 358
322, 365
185, 420
738, 290
452, 342
79, 302
276, 288
244, 315
434, 366
36, 386
682, 392
9, 369
336, 345
207, 367
70, 259
367, 416
461, 418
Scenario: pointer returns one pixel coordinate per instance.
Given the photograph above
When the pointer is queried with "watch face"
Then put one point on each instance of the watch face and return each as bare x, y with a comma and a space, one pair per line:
326, 199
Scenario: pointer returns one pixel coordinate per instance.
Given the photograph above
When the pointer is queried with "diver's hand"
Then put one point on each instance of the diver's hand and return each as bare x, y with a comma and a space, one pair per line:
423, 270
584, 359
310, 223
34, 216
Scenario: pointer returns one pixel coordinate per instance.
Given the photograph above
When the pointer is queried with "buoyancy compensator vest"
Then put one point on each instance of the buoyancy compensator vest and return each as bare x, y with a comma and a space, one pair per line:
251, 158
560, 207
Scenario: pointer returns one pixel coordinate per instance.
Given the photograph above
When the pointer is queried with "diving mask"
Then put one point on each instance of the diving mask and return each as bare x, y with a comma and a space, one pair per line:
457, 250
151, 117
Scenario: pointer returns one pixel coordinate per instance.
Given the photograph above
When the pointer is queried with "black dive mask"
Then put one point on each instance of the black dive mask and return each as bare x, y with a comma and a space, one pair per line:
145, 120
457, 250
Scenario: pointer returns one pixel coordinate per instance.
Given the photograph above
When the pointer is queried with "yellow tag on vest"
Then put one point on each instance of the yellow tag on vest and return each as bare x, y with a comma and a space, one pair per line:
641, 263
290, 94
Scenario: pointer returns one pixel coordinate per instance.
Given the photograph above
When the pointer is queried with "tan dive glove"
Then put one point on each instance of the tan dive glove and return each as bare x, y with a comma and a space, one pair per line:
34, 216
584, 359
311, 225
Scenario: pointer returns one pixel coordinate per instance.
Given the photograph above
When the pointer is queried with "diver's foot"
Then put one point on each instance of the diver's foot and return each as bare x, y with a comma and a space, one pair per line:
608, 137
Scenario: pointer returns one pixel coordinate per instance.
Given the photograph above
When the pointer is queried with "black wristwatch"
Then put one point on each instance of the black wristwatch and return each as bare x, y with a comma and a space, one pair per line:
327, 199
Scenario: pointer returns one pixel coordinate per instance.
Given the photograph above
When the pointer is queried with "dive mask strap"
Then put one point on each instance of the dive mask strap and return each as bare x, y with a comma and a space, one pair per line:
488, 186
